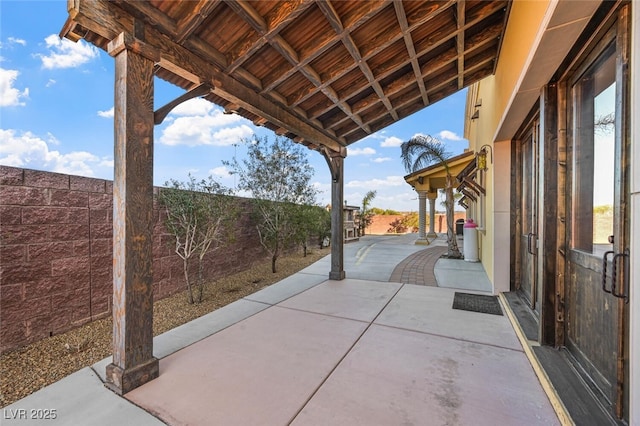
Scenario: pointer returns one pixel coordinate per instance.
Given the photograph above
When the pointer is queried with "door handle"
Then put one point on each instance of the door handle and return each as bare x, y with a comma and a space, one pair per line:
604, 271
530, 248
614, 273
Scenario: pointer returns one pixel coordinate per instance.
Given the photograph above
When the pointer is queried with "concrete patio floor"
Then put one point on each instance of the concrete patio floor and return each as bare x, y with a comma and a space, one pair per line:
311, 351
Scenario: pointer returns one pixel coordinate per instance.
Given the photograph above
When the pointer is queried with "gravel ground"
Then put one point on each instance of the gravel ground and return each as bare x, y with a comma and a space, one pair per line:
35, 366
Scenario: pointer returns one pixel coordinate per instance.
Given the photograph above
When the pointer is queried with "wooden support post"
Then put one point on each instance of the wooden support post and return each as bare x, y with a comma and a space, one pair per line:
548, 212
133, 362
335, 160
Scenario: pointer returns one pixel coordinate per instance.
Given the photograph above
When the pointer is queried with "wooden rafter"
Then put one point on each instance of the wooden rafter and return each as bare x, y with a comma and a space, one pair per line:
404, 25
242, 53
460, 41
374, 8
189, 23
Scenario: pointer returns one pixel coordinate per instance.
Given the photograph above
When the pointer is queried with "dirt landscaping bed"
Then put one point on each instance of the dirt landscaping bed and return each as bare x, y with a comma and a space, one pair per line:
35, 366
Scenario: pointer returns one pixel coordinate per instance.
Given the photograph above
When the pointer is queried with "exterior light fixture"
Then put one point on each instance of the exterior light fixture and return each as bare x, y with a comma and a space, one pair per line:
481, 157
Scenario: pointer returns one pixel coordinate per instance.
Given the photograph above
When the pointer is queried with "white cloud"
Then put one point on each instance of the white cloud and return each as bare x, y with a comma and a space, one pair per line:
381, 159
375, 184
196, 106
52, 140
402, 199
9, 95
13, 40
50, 83
64, 53
221, 171
449, 135
360, 151
391, 141
29, 151
107, 113
199, 122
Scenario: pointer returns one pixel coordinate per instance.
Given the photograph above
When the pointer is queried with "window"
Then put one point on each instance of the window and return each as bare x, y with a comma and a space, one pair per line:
594, 100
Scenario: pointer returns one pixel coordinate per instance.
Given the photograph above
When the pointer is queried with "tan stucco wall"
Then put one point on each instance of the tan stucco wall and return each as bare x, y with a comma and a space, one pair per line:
496, 94
523, 32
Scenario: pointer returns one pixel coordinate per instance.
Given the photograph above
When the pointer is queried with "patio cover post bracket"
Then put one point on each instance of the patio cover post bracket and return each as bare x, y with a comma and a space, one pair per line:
330, 156
133, 362
335, 161
161, 113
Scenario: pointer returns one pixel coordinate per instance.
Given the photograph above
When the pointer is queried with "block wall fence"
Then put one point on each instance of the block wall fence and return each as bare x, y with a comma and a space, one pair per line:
56, 253
381, 223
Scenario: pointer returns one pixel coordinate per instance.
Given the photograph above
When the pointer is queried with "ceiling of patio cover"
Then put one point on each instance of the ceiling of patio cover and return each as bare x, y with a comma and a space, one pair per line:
323, 73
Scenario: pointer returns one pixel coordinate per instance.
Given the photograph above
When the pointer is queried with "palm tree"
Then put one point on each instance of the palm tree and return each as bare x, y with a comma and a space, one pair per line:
366, 215
421, 151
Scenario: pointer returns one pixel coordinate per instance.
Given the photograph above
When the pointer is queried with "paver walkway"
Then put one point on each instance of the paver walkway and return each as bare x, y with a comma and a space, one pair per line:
418, 268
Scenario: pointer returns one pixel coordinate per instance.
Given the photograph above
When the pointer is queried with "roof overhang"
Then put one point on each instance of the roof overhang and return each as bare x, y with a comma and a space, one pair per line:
432, 178
563, 24
323, 73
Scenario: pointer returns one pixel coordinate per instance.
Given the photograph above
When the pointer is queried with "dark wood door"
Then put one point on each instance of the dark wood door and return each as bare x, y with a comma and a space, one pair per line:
528, 247
598, 228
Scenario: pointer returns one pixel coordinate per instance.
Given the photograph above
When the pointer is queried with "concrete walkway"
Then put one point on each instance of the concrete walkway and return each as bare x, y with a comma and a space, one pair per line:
311, 351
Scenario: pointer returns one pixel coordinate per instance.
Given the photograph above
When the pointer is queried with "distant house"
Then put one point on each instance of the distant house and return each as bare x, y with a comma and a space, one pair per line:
351, 223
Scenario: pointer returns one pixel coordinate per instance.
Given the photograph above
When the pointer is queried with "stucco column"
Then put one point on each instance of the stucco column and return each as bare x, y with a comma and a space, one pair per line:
432, 214
422, 218
133, 362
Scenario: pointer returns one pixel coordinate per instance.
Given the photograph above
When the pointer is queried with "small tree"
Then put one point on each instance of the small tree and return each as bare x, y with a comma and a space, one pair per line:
398, 226
321, 225
277, 175
422, 151
408, 222
312, 222
412, 220
366, 213
200, 214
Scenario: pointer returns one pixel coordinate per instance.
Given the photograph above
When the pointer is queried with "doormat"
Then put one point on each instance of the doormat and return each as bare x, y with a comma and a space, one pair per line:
477, 303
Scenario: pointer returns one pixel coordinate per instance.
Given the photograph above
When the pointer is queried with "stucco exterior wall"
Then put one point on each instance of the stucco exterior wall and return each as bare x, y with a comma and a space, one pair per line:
495, 94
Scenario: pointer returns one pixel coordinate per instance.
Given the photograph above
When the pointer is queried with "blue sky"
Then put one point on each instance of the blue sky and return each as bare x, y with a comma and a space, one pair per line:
56, 114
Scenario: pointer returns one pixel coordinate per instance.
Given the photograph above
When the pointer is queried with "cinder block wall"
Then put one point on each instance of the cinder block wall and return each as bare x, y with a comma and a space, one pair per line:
381, 223
56, 253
